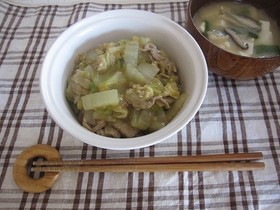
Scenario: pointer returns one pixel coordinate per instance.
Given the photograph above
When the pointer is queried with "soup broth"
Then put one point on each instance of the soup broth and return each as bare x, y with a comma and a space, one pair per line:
239, 28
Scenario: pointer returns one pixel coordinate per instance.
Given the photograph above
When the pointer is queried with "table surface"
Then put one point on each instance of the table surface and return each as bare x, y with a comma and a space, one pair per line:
236, 116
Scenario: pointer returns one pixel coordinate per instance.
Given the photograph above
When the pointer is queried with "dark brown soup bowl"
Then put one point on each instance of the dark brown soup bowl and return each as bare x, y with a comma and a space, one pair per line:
227, 64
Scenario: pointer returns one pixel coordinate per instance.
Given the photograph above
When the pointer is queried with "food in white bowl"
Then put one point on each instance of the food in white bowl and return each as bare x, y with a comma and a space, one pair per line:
113, 26
125, 89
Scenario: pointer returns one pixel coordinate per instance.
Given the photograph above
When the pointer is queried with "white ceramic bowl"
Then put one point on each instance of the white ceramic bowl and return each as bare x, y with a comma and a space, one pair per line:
112, 26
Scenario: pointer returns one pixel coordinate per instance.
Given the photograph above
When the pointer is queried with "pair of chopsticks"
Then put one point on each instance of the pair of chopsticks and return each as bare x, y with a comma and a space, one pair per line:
216, 162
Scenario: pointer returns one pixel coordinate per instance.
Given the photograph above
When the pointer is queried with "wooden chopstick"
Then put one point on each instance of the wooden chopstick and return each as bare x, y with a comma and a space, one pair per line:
158, 160
217, 166
217, 162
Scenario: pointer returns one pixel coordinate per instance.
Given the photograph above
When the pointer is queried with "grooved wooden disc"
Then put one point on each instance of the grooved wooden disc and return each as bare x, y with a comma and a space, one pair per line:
20, 169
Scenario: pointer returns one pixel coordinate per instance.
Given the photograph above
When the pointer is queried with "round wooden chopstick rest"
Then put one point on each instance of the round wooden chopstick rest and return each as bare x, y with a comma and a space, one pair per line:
20, 169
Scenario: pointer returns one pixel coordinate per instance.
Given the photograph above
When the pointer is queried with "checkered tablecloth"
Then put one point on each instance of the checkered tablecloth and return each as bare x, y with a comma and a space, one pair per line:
236, 116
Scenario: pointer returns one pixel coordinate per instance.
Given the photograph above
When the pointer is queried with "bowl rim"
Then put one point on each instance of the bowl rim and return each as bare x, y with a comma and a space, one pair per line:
125, 143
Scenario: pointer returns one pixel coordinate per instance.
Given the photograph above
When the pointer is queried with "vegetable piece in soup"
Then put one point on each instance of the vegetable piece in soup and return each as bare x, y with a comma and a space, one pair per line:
239, 28
125, 89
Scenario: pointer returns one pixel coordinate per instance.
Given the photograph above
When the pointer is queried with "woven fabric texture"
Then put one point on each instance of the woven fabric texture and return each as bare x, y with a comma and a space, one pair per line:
236, 116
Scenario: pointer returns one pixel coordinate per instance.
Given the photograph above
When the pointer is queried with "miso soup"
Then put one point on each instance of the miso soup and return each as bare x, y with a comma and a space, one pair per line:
239, 28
